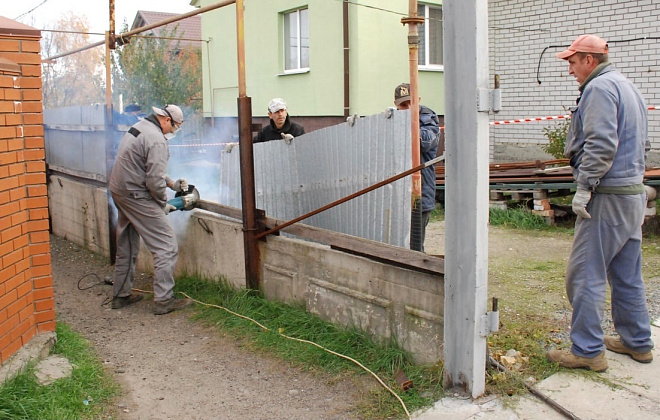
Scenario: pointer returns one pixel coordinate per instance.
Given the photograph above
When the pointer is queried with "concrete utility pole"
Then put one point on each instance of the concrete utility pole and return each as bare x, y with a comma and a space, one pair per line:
466, 171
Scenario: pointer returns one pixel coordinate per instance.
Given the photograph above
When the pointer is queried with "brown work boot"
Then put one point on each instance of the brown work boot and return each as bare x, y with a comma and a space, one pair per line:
119, 302
567, 359
172, 304
614, 344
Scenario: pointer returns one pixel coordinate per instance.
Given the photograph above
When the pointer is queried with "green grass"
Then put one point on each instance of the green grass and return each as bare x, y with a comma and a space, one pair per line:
86, 394
382, 358
528, 336
437, 214
518, 218
515, 217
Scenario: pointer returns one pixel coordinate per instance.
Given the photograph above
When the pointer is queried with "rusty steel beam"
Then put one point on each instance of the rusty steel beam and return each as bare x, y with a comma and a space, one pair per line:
352, 196
109, 133
377, 251
248, 199
412, 20
125, 35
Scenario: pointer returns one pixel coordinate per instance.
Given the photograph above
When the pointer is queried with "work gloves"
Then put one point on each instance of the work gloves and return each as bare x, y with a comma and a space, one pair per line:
168, 208
180, 185
580, 201
287, 137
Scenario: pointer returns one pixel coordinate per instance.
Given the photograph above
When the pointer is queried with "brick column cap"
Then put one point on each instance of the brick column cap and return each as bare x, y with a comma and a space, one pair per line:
11, 27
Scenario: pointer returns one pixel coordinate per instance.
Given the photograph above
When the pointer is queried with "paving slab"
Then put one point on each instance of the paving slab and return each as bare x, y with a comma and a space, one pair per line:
627, 391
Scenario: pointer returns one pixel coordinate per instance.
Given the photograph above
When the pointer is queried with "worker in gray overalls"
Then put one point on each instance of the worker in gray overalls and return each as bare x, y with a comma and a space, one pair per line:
138, 183
606, 144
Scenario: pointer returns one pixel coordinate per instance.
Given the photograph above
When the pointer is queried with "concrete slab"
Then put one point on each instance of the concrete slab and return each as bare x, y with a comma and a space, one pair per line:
52, 368
628, 390
588, 399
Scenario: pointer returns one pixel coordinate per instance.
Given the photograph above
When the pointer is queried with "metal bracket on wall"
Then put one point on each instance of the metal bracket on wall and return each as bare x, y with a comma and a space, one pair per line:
489, 100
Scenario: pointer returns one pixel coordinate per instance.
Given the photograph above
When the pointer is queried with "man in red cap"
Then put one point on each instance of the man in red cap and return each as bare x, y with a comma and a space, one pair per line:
606, 143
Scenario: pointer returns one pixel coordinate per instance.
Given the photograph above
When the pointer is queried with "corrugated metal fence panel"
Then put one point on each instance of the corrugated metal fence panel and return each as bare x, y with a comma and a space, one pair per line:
75, 139
326, 165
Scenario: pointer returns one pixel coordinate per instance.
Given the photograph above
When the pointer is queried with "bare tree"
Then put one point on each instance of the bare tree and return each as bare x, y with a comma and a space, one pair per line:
76, 79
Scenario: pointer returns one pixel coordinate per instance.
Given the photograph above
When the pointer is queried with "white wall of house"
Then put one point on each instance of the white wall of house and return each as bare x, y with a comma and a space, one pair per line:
520, 30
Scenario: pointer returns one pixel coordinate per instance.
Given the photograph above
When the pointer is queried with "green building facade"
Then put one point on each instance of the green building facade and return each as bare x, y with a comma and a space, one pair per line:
294, 49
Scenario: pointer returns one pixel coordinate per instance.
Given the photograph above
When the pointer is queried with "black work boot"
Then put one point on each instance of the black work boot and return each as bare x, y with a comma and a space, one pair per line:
171, 304
119, 302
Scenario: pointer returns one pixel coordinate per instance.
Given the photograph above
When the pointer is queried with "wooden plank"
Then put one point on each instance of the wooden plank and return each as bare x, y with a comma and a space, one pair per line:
378, 251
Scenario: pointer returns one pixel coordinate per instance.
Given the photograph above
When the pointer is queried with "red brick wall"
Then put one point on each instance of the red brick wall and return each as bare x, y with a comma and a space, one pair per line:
27, 306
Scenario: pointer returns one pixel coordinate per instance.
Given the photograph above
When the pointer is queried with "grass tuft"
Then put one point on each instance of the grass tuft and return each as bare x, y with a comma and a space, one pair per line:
518, 218
86, 394
382, 358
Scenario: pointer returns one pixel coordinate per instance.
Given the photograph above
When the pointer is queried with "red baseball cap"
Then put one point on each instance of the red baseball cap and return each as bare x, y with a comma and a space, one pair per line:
585, 44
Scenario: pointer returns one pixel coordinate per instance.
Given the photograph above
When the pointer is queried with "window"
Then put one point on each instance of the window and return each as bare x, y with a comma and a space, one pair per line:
296, 40
430, 37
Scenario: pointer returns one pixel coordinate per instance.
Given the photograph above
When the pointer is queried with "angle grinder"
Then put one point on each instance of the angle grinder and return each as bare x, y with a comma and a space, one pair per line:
185, 200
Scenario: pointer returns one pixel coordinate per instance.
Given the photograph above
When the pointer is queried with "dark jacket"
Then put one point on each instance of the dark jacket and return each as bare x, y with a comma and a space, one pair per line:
429, 135
270, 132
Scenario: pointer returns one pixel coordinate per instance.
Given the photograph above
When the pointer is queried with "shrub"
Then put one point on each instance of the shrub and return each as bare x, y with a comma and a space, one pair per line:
556, 139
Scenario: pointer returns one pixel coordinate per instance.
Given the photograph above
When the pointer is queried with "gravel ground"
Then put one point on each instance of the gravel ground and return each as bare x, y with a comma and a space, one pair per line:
171, 368
510, 245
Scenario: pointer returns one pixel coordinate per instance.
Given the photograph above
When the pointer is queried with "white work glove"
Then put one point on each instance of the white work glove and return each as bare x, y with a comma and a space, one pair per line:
168, 208
580, 201
180, 185
287, 138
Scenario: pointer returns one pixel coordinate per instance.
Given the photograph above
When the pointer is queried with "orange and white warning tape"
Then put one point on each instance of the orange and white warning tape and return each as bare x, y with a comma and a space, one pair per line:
552, 117
503, 122
200, 145
522, 120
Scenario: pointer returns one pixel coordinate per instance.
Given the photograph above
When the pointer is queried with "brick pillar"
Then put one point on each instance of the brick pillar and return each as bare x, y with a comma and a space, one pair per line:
27, 306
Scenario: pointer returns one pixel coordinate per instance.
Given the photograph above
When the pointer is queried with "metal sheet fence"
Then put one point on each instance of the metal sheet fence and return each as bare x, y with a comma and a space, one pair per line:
75, 139
328, 164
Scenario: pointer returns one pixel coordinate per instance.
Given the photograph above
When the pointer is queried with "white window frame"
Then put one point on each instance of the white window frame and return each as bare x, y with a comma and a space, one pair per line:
285, 43
426, 41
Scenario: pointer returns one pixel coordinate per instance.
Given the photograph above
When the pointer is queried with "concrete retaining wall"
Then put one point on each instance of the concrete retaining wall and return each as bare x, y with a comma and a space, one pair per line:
79, 213
380, 299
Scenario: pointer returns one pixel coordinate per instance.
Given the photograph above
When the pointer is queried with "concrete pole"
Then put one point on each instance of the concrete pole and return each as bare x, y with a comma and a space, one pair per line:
466, 200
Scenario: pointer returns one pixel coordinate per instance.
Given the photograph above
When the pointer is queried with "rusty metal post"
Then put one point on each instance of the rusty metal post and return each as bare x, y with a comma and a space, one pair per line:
248, 198
109, 132
412, 20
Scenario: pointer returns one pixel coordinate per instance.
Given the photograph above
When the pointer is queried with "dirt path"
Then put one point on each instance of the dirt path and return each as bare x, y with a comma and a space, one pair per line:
508, 243
170, 368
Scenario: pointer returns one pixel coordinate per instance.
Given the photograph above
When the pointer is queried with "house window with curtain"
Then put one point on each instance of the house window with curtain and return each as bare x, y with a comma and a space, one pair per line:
296, 41
430, 37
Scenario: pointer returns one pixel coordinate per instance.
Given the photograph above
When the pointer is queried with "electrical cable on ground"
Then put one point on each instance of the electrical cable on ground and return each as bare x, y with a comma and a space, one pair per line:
92, 285
107, 281
299, 340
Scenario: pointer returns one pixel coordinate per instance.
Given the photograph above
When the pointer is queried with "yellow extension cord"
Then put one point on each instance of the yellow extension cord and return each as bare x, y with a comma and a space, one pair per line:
299, 340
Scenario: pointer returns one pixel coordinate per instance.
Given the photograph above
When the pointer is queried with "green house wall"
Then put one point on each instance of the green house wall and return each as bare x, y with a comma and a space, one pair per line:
378, 58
